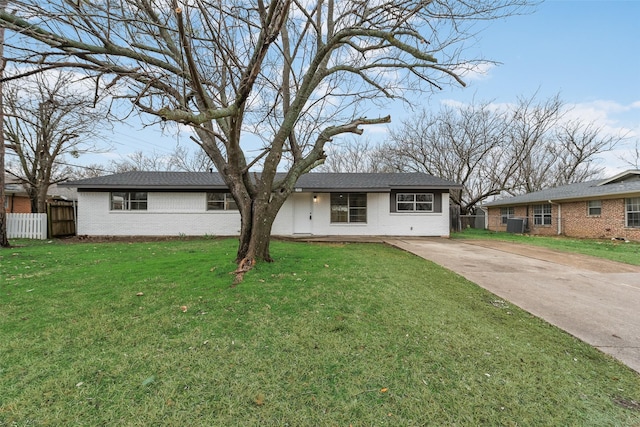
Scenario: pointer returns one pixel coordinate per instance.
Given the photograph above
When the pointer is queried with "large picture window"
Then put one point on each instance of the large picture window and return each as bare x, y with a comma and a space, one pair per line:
542, 214
128, 201
414, 202
221, 202
632, 212
506, 213
348, 207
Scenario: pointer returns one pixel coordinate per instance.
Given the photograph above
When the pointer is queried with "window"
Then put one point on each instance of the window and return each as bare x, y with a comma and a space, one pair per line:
128, 201
594, 207
542, 214
418, 202
221, 202
506, 213
633, 212
348, 207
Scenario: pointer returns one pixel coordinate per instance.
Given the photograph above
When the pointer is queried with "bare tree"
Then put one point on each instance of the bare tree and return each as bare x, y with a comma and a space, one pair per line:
552, 150
178, 160
4, 241
530, 125
184, 160
293, 74
139, 161
579, 144
633, 159
525, 147
48, 118
353, 157
463, 145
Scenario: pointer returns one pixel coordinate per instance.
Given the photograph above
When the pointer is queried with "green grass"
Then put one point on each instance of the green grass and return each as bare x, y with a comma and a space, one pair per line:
627, 252
329, 335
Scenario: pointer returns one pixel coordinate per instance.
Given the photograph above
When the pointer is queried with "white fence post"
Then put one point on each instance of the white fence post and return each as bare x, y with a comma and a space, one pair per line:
26, 226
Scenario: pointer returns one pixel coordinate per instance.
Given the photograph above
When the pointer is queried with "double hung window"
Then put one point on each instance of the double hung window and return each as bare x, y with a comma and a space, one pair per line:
542, 214
594, 207
632, 212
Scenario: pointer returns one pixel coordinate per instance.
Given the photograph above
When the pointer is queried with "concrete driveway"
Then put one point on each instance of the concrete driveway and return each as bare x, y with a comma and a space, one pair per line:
595, 300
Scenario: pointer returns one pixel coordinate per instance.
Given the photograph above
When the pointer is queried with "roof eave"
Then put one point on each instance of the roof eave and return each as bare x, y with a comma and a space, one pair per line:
620, 194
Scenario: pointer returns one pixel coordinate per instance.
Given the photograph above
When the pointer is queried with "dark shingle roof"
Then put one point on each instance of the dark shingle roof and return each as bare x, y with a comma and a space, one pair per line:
625, 185
308, 182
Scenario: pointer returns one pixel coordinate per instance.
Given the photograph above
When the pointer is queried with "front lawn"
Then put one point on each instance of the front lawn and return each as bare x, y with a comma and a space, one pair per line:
614, 250
140, 334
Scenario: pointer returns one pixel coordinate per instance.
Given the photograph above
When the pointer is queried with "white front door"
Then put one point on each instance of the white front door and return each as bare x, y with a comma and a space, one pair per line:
302, 213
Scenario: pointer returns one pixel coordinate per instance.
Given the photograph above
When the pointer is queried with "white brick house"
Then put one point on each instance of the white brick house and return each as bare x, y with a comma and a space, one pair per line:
198, 203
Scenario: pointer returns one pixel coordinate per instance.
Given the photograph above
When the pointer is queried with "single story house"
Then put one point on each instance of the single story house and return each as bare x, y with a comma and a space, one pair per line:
323, 204
604, 208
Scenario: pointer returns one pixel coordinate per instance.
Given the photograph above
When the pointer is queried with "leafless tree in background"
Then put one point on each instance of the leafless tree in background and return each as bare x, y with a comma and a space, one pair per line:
293, 74
354, 156
4, 241
180, 160
490, 151
634, 159
48, 119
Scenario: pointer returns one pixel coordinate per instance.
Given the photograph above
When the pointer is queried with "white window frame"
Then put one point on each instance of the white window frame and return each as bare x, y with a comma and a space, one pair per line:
411, 202
130, 201
542, 214
632, 208
592, 206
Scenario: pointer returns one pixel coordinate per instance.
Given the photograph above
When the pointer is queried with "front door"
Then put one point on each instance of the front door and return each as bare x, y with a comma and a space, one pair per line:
302, 213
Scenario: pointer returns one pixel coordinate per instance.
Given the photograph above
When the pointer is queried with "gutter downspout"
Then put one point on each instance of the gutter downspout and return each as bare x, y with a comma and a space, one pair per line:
559, 216
486, 217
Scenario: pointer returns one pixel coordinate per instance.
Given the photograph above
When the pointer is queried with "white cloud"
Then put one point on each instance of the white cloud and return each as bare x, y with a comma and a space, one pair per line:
475, 72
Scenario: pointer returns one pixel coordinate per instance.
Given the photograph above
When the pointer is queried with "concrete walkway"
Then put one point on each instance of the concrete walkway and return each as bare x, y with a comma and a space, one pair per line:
595, 300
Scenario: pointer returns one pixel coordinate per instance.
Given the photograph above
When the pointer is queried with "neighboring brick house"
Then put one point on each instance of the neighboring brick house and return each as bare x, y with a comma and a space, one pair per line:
16, 198
605, 208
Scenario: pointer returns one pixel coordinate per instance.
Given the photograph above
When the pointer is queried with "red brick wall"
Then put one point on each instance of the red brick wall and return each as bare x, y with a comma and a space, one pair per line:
611, 223
576, 221
521, 212
18, 204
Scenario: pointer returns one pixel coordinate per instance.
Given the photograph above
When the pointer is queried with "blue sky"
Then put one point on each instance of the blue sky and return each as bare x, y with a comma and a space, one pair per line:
586, 51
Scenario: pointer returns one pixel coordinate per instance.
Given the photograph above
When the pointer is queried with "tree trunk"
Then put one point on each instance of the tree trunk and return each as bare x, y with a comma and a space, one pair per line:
255, 233
257, 217
4, 241
42, 198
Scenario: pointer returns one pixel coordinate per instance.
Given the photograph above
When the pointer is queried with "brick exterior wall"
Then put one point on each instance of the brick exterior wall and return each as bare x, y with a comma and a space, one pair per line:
18, 204
575, 221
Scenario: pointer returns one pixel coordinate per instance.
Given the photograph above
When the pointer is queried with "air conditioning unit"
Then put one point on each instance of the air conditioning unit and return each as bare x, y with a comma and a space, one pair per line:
516, 225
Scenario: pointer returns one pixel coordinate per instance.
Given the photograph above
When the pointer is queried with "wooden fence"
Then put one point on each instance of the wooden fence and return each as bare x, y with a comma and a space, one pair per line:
26, 226
59, 221
62, 219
